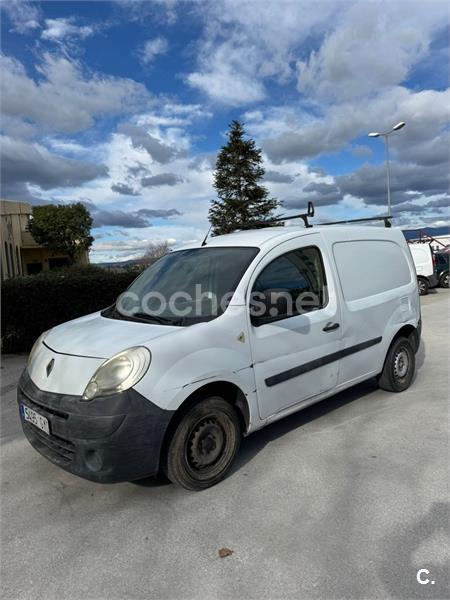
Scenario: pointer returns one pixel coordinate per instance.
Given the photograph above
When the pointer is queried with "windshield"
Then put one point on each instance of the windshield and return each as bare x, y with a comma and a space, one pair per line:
185, 287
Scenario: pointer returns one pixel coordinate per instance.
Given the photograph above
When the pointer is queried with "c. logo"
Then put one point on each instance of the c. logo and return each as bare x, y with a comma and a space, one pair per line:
420, 579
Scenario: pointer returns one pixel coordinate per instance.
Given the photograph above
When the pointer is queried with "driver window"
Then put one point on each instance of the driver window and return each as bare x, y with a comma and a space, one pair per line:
294, 283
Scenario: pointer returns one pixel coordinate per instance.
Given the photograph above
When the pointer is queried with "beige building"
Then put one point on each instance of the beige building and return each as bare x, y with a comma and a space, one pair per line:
21, 255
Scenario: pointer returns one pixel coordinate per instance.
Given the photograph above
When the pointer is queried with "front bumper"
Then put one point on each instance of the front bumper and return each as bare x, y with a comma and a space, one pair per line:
110, 439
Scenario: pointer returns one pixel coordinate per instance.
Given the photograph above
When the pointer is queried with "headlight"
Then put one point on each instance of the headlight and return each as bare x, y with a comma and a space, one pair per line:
36, 345
118, 373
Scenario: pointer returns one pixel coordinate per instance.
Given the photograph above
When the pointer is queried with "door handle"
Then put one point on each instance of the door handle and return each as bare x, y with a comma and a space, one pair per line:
331, 327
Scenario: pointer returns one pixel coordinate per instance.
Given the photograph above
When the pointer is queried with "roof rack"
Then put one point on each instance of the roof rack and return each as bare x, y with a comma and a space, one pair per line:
310, 213
303, 216
386, 219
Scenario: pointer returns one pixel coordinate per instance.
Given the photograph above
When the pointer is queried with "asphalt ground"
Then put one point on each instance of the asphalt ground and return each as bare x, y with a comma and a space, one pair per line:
346, 499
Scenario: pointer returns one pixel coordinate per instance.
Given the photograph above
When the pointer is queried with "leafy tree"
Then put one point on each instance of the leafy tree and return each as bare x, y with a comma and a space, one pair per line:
63, 228
243, 203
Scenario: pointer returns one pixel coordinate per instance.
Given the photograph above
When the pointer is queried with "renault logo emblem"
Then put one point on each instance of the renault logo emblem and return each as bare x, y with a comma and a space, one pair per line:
50, 366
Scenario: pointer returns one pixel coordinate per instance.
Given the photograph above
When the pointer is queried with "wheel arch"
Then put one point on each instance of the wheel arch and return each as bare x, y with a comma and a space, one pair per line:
225, 389
410, 332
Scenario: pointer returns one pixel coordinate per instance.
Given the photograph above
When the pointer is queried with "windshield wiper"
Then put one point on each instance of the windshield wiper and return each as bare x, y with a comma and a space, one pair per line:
114, 313
150, 318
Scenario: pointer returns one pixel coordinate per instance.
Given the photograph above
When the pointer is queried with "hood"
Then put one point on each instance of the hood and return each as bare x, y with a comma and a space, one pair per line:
95, 336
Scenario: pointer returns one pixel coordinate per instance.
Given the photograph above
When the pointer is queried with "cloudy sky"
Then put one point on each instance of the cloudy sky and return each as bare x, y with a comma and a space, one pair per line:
123, 105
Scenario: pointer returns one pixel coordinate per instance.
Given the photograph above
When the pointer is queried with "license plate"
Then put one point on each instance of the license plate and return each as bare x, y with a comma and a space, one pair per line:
35, 418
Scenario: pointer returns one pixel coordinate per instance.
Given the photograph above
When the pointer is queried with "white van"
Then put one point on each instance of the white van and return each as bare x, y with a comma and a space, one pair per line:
424, 264
216, 341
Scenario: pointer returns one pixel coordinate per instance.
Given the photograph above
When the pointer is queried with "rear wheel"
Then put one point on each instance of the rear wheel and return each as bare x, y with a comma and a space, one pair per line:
423, 286
204, 444
399, 366
444, 280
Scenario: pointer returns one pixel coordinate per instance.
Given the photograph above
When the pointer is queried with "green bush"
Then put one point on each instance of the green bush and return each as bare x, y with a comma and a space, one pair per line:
31, 305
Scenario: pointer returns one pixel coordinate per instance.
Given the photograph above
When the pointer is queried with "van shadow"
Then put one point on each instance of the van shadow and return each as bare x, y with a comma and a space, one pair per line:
420, 358
257, 441
151, 482
253, 444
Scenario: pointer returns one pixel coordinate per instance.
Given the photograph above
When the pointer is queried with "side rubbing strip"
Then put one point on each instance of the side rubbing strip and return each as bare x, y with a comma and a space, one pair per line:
319, 362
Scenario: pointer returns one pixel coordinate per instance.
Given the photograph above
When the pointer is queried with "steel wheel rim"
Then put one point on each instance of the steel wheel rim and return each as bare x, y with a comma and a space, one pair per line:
401, 363
445, 280
422, 287
206, 444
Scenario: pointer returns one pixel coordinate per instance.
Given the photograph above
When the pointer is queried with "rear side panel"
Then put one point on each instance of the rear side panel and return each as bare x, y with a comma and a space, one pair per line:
378, 291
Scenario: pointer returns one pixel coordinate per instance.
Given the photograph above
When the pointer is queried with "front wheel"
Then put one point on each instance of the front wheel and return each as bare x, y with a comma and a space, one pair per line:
399, 366
423, 286
204, 444
444, 280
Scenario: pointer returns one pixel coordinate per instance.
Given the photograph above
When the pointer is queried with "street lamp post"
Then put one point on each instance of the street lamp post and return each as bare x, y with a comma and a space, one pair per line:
386, 135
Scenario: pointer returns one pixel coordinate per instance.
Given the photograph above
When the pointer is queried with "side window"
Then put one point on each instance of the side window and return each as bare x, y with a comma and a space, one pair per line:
291, 284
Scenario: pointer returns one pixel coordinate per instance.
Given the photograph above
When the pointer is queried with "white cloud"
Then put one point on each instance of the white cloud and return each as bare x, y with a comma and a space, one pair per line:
347, 86
159, 11
188, 200
128, 164
58, 29
152, 48
65, 99
130, 249
224, 85
173, 115
161, 179
23, 163
371, 49
245, 42
426, 114
67, 146
141, 138
23, 15
409, 182
189, 110
364, 47
226, 74
271, 121
130, 245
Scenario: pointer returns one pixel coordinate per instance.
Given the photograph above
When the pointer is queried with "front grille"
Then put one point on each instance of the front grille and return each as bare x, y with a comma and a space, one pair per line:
53, 447
41, 408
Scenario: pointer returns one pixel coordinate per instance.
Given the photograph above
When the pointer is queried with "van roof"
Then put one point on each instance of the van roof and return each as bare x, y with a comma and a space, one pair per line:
267, 235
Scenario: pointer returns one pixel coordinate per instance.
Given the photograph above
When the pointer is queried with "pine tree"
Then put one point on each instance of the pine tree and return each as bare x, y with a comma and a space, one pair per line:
243, 203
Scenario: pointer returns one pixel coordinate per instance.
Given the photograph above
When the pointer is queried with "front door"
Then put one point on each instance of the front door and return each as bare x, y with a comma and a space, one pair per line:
295, 353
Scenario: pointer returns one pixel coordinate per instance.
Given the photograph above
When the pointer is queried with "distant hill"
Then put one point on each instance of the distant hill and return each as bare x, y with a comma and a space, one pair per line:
123, 264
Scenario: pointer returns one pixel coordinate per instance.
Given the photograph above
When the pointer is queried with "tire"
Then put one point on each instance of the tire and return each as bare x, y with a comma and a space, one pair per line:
444, 280
399, 366
424, 286
204, 445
